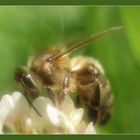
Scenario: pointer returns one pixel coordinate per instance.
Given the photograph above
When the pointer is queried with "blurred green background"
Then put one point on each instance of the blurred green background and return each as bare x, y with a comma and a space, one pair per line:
25, 29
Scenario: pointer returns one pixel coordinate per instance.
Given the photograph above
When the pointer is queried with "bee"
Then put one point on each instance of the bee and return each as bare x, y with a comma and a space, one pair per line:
54, 71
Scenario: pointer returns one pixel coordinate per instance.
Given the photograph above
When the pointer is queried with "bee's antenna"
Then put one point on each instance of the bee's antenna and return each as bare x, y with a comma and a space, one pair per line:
85, 41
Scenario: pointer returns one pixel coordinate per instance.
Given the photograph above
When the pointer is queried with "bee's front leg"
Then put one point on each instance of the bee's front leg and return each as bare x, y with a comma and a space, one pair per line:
65, 88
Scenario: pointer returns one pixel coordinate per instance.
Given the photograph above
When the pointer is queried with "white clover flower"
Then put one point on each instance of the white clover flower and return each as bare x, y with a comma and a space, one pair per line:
18, 117
15, 113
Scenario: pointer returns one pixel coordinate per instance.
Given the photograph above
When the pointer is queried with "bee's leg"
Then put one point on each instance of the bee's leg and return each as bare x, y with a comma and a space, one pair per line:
58, 98
52, 95
65, 88
65, 85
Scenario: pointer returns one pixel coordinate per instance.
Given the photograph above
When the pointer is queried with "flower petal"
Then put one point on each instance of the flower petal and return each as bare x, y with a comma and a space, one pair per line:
40, 123
41, 104
77, 116
68, 125
1, 128
21, 106
14, 108
6, 105
90, 129
28, 125
59, 119
67, 105
53, 115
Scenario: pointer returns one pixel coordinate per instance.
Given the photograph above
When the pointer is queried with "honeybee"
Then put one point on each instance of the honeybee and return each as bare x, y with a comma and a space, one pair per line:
54, 71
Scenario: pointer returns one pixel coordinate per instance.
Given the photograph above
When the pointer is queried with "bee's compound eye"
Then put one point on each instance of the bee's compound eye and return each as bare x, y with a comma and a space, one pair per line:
24, 78
28, 81
30, 85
